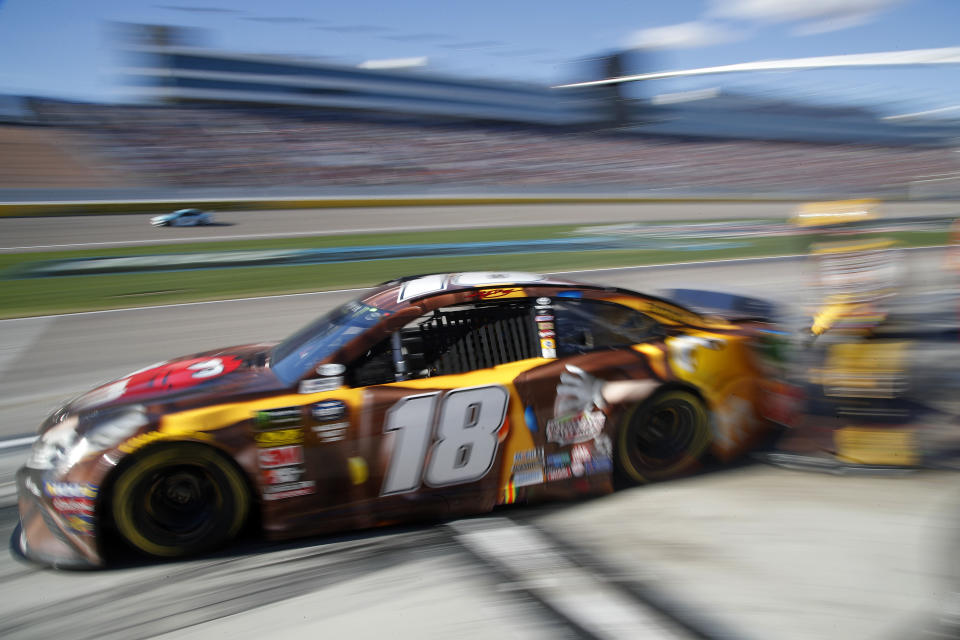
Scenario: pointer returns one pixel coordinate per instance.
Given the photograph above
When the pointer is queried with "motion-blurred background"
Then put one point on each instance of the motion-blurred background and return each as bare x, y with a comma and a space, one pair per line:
300, 96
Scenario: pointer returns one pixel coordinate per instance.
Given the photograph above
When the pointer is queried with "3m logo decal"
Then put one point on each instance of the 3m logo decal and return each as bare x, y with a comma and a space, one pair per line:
280, 457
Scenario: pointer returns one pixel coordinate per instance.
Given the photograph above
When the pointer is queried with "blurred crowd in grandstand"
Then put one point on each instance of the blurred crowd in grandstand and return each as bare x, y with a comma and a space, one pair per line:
130, 146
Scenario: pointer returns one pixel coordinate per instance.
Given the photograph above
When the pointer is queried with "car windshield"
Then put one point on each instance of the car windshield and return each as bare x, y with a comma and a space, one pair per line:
296, 355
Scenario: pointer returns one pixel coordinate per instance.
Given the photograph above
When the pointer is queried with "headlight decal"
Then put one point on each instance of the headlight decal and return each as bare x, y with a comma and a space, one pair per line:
62, 446
51, 447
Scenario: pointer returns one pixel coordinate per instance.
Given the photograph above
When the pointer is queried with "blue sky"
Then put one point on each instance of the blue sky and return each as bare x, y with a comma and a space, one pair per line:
59, 47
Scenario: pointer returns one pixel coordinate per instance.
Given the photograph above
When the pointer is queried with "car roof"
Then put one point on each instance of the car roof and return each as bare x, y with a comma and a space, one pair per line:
397, 295
412, 288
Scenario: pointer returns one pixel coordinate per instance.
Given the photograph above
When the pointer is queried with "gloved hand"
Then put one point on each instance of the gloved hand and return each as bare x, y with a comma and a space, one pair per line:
582, 389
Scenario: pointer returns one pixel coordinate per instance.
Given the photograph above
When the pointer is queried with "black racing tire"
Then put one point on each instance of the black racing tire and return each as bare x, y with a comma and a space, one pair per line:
180, 499
663, 437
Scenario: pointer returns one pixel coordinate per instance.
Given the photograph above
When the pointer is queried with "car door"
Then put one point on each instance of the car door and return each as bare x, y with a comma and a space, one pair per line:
416, 423
439, 441
573, 404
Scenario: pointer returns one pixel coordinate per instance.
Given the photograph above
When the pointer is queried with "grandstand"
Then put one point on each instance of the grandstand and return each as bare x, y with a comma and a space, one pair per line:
15, 110
205, 119
173, 73
39, 157
256, 147
161, 68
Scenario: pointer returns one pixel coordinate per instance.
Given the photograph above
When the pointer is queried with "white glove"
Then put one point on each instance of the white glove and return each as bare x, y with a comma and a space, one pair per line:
581, 389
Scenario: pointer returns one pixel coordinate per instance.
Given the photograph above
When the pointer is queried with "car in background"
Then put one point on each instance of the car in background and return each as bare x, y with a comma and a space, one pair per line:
182, 218
430, 396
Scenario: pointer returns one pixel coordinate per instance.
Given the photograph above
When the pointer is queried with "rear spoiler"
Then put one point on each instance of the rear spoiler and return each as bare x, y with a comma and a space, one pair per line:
729, 306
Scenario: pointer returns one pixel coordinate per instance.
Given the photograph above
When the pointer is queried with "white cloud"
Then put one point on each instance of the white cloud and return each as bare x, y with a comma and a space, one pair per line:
394, 63
686, 35
814, 16
733, 20
830, 24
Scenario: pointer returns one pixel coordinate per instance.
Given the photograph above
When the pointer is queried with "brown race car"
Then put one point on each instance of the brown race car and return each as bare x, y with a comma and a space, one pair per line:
429, 397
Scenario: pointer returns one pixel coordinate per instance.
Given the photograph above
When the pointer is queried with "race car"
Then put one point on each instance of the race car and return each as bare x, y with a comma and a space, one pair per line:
431, 397
182, 218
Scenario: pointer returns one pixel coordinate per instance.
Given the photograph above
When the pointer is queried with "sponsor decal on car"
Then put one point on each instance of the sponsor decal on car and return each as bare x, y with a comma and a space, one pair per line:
160, 378
580, 460
75, 503
559, 473
359, 471
488, 294
333, 369
546, 333
603, 446
683, 350
328, 410
280, 456
271, 418
527, 468
70, 490
319, 385
66, 506
281, 475
558, 460
508, 495
288, 490
530, 418
584, 462
333, 432
278, 438
81, 523
578, 427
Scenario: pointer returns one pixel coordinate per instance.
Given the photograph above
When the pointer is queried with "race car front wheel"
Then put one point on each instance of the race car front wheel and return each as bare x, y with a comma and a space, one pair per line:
663, 437
179, 500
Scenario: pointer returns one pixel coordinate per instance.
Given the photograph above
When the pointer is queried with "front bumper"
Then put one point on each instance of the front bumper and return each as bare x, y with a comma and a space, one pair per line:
48, 536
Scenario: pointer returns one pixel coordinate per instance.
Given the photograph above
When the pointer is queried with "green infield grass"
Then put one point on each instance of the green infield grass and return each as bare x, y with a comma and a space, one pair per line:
65, 294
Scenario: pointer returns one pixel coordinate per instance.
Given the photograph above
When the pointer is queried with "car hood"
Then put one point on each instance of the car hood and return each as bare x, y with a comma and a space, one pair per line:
192, 380
163, 218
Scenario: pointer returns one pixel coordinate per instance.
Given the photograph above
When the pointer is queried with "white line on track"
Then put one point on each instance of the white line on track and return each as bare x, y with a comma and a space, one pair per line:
257, 236
17, 442
188, 304
593, 603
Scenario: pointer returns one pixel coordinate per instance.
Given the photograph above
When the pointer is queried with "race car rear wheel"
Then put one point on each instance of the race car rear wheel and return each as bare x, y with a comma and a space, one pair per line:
663, 437
179, 500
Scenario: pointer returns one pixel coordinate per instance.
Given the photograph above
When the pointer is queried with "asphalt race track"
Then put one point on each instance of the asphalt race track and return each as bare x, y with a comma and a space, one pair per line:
747, 552
91, 231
